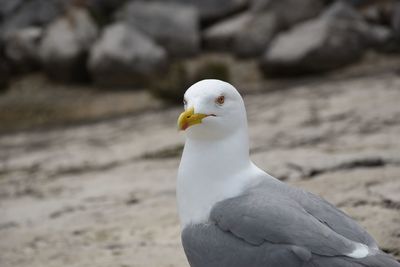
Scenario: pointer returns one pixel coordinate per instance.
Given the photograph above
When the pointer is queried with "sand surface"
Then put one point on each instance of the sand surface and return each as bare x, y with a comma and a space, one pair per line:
103, 194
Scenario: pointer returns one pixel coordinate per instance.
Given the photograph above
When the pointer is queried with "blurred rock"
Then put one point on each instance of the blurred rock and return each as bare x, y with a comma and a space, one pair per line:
220, 36
123, 56
271, 17
333, 40
172, 85
4, 72
342, 10
256, 35
375, 36
396, 21
376, 11
171, 25
65, 46
289, 12
22, 48
7, 7
102, 10
211, 10
31, 13
379, 37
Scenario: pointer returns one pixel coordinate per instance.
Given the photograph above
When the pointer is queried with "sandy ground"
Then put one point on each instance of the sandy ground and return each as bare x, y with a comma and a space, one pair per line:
104, 194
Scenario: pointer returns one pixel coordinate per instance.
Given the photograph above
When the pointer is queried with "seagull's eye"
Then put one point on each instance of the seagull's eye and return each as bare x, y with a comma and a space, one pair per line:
184, 102
220, 100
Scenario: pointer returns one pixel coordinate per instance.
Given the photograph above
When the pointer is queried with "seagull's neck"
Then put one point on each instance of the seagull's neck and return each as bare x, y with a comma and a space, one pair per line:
221, 156
210, 171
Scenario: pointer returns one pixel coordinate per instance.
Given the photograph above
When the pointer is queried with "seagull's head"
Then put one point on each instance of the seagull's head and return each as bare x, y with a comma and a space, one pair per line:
213, 109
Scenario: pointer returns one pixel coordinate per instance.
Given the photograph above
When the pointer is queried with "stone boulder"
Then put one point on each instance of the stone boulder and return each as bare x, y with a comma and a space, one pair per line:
30, 13
7, 7
65, 46
103, 10
256, 35
211, 10
269, 18
221, 35
124, 56
396, 21
376, 11
4, 72
333, 40
289, 12
171, 85
173, 26
22, 46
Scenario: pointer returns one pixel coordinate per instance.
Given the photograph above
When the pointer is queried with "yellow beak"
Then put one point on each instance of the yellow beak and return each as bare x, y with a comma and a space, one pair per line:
189, 118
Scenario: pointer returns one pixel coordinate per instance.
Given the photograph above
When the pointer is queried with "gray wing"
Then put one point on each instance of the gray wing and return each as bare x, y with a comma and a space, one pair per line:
206, 245
334, 218
322, 210
258, 216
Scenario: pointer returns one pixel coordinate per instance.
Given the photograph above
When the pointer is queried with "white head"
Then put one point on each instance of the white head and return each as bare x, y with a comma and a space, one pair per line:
213, 110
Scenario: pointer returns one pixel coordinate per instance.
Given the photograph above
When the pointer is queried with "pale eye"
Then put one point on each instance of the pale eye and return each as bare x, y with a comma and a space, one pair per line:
184, 102
220, 100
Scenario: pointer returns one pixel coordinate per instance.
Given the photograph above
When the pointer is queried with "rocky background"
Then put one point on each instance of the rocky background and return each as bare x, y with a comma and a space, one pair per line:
136, 44
88, 143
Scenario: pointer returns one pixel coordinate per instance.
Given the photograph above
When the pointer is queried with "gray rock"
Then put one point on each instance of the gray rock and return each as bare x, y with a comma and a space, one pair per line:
65, 45
22, 46
7, 7
123, 56
289, 12
396, 21
221, 35
377, 11
32, 13
211, 10
379, 37
4, 72
256, 35
333, 40
271, 17
342, 10
172, 25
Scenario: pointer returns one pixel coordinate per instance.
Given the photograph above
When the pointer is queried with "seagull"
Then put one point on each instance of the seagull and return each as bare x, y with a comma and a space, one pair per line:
233, 214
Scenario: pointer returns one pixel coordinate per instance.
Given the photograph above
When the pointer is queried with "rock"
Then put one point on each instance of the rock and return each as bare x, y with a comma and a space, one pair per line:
22, 46
342, 10
102, 10
123, 56
32, 13
211, 10
376, 11
289, 12
4, 73
396, 21
256, 35
333, 40
379, 37
172, 85
7, 7
220, 36
269, 18
64, 48
171, 25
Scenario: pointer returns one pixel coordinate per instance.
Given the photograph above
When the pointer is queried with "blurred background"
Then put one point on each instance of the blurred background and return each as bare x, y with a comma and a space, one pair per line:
90, 91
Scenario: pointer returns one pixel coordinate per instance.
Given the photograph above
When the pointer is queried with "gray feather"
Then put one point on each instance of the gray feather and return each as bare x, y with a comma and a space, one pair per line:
273, 224
206, 245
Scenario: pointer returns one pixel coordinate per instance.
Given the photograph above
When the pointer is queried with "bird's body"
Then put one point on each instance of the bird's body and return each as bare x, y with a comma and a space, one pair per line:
234, 214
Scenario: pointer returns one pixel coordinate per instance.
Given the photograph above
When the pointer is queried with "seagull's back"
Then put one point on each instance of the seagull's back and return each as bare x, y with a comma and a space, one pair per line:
273, 224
